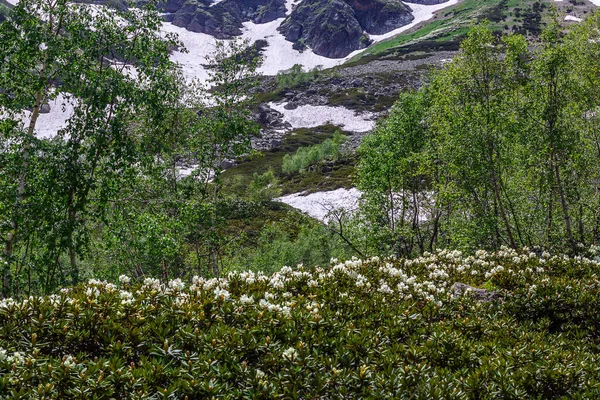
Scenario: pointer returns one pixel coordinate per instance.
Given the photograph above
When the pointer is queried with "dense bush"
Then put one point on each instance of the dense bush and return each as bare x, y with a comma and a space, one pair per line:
296, 76
378, 328
498, 147
306, 157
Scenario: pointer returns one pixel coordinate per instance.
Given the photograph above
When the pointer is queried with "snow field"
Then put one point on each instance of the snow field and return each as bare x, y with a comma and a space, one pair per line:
318, 205
47, 125
308, 116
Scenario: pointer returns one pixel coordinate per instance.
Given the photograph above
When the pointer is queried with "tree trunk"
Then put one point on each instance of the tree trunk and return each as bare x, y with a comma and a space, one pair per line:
72, 214
565, 207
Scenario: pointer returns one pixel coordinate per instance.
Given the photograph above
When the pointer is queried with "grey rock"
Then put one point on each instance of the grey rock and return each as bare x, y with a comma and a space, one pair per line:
226, 164
45, 108
460, 289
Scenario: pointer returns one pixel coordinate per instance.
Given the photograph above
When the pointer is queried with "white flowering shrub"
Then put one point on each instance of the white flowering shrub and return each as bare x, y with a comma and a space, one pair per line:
375, 328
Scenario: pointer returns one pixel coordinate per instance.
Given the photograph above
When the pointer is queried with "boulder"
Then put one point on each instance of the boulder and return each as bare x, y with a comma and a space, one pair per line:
378, 17
460, 289
291, 105
45, 108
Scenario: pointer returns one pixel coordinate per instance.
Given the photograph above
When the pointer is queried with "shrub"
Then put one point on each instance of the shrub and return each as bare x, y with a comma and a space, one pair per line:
296, 76
306, 157
374, 328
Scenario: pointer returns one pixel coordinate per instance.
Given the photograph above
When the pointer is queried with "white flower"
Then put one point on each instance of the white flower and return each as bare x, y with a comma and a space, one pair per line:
285, 270
264, 303
532, 289
68, 362
17, 358
312, 283
181, 298
176, 284
269, 296
126, 297
92, 292
151, 283
291, 354
222, 294
245, 299
124, 279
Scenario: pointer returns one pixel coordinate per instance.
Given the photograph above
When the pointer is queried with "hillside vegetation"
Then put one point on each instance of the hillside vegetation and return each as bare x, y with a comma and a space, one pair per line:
376, 328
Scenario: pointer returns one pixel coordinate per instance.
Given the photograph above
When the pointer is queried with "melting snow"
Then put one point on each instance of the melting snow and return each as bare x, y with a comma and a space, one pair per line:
279, 55
572, 18
308, 116
47, 125
318, 205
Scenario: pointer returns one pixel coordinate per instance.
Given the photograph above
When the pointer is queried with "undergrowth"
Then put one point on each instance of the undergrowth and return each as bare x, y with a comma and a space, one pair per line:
374, 328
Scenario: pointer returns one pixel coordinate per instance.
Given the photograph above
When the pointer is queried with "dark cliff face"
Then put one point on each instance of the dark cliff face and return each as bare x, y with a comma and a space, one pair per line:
223, 20
335, 28
381, 16
329, 27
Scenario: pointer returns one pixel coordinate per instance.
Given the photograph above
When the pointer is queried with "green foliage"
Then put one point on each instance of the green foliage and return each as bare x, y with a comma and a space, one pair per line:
392, 174
106, 196
373, 328
498, 148
306, 157
264, 187
55, 193
308, 243
296, 77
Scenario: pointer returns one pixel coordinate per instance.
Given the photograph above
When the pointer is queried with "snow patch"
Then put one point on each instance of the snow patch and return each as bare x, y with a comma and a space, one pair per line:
308, 116
572, 18
12, 2
198, 45
48, 125
319, 204
595, 2
61, 110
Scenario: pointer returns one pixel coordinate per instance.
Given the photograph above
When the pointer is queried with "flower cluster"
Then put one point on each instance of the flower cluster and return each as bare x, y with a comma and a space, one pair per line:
377, 325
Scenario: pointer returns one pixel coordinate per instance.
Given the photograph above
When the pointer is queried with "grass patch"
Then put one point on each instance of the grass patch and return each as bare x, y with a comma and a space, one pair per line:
452, 24
237, 179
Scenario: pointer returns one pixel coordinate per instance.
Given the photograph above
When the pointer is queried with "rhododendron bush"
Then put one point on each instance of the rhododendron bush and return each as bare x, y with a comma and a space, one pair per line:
374, 328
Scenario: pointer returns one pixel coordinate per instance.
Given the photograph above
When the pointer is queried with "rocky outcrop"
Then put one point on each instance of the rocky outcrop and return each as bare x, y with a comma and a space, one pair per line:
329, 27
381, 16
272, 128
461, 289
222, 20
335, 28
